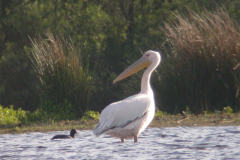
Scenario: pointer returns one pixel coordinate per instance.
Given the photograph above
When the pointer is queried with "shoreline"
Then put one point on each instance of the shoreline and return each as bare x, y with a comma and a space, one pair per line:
158, 122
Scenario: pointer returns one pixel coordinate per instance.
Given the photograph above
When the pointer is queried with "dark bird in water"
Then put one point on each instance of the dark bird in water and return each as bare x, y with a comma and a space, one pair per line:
72, 135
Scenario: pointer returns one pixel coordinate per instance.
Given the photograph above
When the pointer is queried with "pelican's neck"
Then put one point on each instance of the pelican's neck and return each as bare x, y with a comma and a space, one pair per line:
145, 83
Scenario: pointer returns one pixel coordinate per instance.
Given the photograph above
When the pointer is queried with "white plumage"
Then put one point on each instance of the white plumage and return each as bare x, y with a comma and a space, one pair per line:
129, 117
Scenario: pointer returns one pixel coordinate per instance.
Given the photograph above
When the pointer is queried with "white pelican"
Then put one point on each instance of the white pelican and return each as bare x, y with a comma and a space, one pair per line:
129, 117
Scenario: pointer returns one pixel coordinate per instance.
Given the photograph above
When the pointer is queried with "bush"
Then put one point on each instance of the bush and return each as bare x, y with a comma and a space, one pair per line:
91, 115
160, 114
64, 81
10, 116
227, 110
197, 70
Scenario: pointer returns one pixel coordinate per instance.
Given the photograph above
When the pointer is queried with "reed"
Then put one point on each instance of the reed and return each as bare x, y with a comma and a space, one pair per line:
64, 81
202, 51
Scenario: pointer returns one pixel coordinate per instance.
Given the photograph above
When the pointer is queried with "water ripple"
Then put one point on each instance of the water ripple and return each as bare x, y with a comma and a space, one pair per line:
154, 143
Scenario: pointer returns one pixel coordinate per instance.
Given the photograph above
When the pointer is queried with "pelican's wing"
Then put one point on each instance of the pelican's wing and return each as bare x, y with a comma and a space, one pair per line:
120, 114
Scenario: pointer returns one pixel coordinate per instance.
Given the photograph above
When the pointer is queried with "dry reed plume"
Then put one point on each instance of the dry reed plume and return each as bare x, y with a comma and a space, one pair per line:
197, 70
64, 81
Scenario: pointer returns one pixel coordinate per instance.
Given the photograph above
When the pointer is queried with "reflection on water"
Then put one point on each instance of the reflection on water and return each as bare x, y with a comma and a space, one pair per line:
154, 143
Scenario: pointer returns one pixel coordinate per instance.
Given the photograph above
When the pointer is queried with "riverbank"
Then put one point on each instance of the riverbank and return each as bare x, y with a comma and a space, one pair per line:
164, 121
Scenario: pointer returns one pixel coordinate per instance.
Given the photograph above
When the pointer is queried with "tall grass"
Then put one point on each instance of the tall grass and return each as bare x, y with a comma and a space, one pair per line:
65, 83
197, 69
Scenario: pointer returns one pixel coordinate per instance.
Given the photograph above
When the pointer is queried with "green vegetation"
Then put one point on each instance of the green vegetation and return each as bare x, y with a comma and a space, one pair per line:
91, 115
58, 58
88, 122
227, 110
10, 116
160, 114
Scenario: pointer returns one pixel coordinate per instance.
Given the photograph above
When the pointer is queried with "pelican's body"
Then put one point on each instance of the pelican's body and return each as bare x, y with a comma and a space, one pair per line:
129, 117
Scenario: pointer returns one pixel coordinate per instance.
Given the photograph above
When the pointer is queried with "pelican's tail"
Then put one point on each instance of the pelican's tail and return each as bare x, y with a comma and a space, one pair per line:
97, 130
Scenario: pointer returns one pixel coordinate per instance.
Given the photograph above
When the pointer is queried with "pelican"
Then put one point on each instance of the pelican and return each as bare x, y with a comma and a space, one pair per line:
129, 117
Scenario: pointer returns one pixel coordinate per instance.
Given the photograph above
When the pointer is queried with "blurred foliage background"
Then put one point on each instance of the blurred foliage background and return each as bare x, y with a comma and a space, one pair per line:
107, 36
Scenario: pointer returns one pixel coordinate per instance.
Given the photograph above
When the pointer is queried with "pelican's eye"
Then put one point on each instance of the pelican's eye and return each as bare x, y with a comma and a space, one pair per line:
148, 55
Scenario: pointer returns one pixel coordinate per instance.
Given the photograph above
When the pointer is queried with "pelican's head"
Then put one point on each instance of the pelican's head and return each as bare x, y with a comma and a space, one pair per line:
149, 58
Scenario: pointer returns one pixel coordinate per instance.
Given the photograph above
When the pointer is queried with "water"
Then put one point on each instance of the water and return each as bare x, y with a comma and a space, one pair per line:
154, 143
